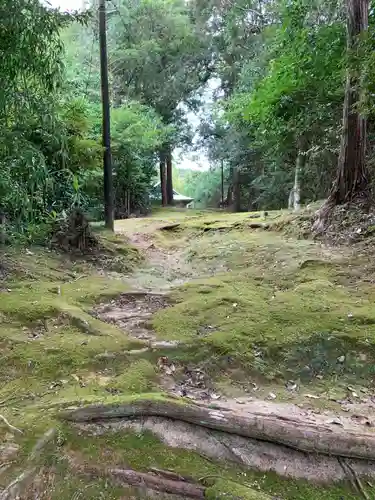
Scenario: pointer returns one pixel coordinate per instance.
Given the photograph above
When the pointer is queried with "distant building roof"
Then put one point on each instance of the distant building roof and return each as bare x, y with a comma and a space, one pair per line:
176, 196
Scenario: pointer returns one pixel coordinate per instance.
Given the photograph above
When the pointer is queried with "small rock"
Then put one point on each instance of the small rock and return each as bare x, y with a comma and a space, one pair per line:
311, 396
341, 359
271, 395
291, 385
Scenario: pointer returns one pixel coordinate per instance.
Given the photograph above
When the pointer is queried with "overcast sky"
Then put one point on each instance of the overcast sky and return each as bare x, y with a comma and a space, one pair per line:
66, 4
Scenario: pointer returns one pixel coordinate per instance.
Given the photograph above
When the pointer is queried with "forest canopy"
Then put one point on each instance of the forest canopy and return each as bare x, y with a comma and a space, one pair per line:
279, 74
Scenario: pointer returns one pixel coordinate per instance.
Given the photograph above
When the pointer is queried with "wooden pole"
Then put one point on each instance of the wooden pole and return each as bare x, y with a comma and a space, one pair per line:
106, 130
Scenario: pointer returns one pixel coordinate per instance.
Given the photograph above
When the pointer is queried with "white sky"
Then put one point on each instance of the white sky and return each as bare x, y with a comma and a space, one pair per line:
66, 4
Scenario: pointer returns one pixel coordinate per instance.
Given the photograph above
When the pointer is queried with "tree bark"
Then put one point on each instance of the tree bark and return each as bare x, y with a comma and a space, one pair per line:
169, 176
236, 190
352, 175
137, 479
312, 433
163, 183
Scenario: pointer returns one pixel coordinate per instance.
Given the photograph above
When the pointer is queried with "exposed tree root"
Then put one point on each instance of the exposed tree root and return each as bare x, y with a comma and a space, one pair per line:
170, 227
12, 491
313, 434
157, 482
353, 478
10, 426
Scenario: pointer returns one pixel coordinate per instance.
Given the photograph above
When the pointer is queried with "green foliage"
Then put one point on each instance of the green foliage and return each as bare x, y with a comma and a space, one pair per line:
137, 133
160, 57
204, 187
284, 97
44, 139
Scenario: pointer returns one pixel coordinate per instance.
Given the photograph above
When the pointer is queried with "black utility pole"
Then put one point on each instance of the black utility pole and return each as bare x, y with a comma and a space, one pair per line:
106, 130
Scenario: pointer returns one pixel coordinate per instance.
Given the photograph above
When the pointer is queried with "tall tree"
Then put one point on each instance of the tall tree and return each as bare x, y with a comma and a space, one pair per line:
160, 58
352, 179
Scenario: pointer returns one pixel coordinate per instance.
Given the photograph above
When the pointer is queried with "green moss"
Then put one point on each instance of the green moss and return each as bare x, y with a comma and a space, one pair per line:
234, 491
293, 310
268, 309
139, 377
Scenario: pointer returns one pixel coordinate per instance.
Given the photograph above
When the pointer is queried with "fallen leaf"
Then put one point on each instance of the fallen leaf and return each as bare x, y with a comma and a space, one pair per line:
335, 421
215, 396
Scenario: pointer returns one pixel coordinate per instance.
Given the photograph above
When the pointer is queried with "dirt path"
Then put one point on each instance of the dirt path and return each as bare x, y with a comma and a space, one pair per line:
166, 267
236, 320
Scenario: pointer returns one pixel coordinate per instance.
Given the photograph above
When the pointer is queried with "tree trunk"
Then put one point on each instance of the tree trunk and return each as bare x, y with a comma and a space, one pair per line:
169, 176
352, 176
300, 165
291, 199
2, 228
236, 190
163, 183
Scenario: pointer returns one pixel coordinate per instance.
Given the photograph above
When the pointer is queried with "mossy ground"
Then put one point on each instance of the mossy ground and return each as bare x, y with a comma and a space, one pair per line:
294, 307
277, 309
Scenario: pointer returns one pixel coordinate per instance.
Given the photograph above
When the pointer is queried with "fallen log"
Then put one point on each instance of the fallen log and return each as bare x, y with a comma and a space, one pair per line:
312, 434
